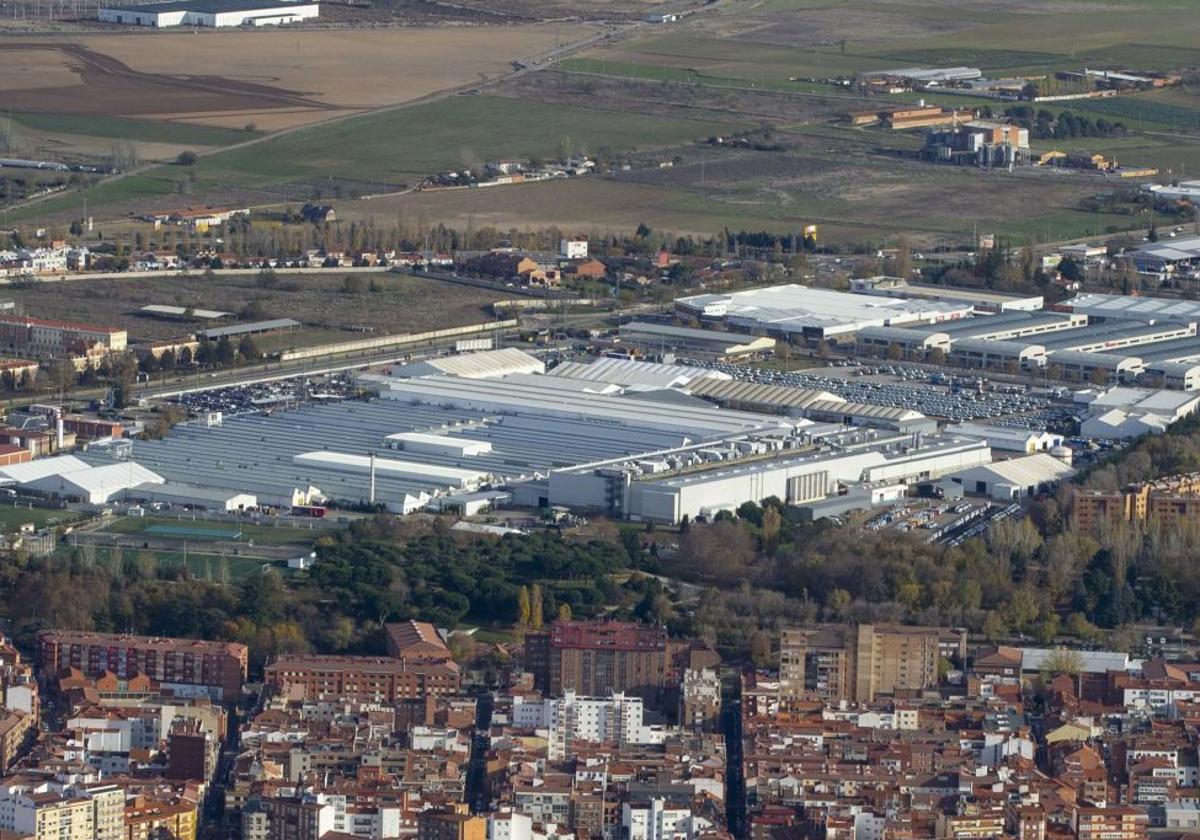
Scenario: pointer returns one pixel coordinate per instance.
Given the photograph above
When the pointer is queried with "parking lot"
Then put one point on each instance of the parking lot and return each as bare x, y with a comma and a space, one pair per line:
267, 396
953, 398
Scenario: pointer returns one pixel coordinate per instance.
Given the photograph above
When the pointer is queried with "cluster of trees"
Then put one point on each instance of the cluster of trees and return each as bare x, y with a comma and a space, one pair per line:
1045, 125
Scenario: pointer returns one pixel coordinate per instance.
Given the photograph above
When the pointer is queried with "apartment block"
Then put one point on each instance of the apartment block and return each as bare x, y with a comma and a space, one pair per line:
217, 669
1162, 502
1115, 823
361, 679
451, 825
858, 663
152, 819
42, 339
596, 658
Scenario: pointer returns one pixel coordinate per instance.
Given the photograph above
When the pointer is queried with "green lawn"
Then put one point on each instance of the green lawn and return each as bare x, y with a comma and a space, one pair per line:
11, 517
128, 128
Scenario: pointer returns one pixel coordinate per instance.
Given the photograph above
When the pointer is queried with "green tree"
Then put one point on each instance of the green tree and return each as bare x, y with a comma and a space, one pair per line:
536, 617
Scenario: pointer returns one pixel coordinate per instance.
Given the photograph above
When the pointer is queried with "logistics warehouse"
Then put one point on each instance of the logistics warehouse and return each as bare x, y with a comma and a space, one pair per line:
212, 13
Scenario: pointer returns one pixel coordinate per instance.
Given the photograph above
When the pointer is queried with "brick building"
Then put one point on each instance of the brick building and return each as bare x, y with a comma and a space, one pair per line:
360, 678
219, 668
596, 658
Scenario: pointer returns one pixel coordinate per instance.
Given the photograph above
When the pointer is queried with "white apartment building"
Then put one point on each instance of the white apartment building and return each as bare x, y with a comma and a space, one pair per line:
617, 719
52, 811
509, 825
653, 820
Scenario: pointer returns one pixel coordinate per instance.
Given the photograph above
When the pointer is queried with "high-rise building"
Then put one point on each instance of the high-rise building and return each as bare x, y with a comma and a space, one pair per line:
597, 658
591, 720
217, 667
700, 699
859, 662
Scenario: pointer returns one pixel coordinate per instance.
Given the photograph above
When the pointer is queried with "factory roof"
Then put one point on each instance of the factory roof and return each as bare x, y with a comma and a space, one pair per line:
182, 491
1135, 308
805, 400
982, 326
1016, 348
42, 467
1085, 358
1172, 349
251, 327
630, 373
1090, 661
695, 336
1028, 470
1119, 331
793, 308
98, 479
1174, 250
202, 6
1140, 399
482, 365
181, 311
740, 391
899, 334
532, 429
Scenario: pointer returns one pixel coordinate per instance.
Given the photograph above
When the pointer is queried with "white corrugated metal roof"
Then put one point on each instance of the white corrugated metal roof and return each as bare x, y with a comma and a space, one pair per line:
631, 373
486, 364
42, 467
1029, 470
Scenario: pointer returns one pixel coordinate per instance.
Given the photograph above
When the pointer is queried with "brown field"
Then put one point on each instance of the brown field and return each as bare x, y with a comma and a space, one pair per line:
276, 79
402, 304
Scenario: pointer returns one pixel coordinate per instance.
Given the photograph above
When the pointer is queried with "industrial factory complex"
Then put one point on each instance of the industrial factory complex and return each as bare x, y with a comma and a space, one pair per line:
660, 441
631, 439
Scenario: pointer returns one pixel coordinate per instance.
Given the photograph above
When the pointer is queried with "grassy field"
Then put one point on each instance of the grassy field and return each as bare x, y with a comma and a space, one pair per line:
259, 534
399, 147
218, 568
408, 144
12, 517
401, 304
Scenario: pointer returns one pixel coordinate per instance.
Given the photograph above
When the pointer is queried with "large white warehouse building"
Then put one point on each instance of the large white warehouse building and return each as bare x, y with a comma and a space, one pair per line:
210, 13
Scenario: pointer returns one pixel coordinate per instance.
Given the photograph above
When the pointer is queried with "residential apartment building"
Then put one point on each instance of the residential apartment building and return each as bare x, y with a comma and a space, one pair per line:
700, 700
217, 669
52, 811
45, 339
362, 679
1115, 823
858, 663
153, 819
1162, 502
451, 825
597, 658
569, 719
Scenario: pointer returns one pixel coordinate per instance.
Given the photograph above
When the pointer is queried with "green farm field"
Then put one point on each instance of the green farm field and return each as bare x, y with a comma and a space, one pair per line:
397, 147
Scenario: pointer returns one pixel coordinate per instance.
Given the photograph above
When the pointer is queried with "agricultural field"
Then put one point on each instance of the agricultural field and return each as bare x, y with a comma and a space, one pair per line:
65, 90
852, 198
399, 304
391, 149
